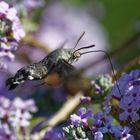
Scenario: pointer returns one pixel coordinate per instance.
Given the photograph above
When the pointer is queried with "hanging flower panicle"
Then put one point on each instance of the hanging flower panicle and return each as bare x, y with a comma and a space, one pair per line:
11, 32
15, 116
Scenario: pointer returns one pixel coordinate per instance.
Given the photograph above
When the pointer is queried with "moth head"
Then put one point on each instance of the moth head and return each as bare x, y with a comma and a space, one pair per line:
75, 56
76, 53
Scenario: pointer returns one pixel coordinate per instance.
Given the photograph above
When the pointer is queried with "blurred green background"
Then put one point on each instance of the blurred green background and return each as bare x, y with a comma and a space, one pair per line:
120, 17
121, 20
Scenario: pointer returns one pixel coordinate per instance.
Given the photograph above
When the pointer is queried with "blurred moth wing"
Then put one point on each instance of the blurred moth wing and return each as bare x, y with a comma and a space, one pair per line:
57, 75
52, 80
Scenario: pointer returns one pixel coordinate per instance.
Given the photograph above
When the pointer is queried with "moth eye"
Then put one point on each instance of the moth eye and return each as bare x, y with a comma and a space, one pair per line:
77, 54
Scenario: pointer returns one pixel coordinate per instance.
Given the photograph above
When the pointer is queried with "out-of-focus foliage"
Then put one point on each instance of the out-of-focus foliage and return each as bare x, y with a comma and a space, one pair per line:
121, 18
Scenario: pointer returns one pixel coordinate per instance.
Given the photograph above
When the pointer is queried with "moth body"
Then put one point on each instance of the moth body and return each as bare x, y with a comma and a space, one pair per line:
53, 64
52, 69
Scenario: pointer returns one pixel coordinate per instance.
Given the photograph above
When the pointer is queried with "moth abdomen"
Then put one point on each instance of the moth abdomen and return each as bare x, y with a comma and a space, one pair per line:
35, 71
12, 83
19, 77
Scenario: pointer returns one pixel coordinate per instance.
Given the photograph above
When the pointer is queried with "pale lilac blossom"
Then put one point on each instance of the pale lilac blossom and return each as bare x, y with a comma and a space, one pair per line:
81, 117
98, 136
11, 32
7, 133
15, 114
85, 99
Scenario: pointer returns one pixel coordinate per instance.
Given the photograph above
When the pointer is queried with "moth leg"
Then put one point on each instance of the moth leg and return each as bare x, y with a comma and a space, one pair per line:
58, 72
64, 68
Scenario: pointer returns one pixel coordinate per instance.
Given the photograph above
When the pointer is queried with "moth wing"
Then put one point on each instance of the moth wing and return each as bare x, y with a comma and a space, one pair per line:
56, 73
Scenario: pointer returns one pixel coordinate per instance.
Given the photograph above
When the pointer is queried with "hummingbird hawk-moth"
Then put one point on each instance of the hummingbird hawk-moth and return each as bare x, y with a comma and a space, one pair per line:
57, 65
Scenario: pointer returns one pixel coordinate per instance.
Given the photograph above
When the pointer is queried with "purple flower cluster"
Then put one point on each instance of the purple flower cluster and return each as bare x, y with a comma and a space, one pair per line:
14, 116
11, 32
128, 95
102, 124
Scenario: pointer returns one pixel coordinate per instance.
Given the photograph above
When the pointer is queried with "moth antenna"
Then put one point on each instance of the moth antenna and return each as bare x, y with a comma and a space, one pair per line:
113, 71
87, 47
78, 40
